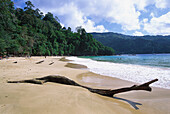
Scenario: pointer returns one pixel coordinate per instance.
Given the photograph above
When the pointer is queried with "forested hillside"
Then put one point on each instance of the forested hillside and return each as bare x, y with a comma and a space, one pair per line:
29, 32
124, 44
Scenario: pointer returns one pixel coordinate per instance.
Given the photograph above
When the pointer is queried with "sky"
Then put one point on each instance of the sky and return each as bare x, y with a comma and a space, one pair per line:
130, 17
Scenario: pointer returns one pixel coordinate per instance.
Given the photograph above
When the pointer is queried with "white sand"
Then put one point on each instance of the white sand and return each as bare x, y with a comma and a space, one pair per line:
51, 98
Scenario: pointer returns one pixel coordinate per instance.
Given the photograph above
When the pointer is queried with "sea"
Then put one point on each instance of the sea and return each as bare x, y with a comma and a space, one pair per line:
138, 68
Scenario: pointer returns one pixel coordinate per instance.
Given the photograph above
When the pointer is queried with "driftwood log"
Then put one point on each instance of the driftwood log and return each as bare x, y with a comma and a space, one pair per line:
67, 81
39, 62
51, 63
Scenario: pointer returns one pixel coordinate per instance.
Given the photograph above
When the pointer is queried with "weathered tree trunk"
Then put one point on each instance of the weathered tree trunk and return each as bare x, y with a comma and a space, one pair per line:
104, 92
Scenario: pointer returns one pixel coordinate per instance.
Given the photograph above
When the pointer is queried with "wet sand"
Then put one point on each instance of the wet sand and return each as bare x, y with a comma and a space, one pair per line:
76, 66
52, 98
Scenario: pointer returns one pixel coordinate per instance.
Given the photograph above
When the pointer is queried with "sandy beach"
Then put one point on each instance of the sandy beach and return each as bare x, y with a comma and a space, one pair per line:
53, 98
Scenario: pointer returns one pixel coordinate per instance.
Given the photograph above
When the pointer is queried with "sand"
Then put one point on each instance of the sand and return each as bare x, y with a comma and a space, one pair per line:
52, 98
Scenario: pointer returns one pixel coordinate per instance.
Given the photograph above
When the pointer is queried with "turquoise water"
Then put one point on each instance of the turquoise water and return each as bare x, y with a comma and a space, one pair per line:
159, 60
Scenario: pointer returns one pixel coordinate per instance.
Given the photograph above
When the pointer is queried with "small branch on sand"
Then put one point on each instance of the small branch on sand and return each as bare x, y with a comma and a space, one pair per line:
51, 63
39, 62
104, 92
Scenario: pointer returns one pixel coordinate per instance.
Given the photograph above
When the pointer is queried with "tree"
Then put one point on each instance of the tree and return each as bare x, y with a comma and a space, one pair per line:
29, 5
2, 47
79, 29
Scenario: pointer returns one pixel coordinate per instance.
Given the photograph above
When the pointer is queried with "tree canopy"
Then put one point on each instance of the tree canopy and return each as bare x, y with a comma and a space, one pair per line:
28, 32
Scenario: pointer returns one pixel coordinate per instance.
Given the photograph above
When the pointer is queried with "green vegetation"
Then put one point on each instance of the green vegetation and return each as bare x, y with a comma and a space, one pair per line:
28, 32
124, 44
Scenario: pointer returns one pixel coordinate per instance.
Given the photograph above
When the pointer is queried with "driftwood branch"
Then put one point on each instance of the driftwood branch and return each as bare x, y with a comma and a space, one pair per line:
104, 92
110, 93
51, 63
15, 62
39, 62
33, 81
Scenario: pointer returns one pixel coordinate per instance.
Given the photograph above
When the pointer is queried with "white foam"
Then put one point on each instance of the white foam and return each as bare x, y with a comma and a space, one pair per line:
134, 73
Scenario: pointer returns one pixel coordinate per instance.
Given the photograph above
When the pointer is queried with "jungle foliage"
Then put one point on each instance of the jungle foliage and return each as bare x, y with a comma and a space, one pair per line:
28, 32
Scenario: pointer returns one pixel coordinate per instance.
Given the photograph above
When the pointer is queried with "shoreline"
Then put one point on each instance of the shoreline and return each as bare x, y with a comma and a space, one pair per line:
80, 66
52, 98
127, 72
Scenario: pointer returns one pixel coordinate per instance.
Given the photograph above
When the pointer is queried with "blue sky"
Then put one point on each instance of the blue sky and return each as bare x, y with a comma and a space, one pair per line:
130, 17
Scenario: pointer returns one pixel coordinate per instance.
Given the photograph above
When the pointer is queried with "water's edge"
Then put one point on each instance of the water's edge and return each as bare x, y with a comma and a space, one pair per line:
129, 72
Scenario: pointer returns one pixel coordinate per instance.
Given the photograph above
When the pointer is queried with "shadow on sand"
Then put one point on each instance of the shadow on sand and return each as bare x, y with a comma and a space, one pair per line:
133, 104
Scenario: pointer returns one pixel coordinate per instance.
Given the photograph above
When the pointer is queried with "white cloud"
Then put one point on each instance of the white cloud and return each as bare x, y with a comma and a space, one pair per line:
76, 12
160, 25
141, 4
91, 14
136, 33
72, 15
90, 27
145, 20
62, 24
162, 3
152, 15
124, 13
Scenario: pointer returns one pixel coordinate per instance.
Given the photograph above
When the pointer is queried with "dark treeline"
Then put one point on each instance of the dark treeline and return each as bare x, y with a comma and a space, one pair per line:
123, 44
28, 32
